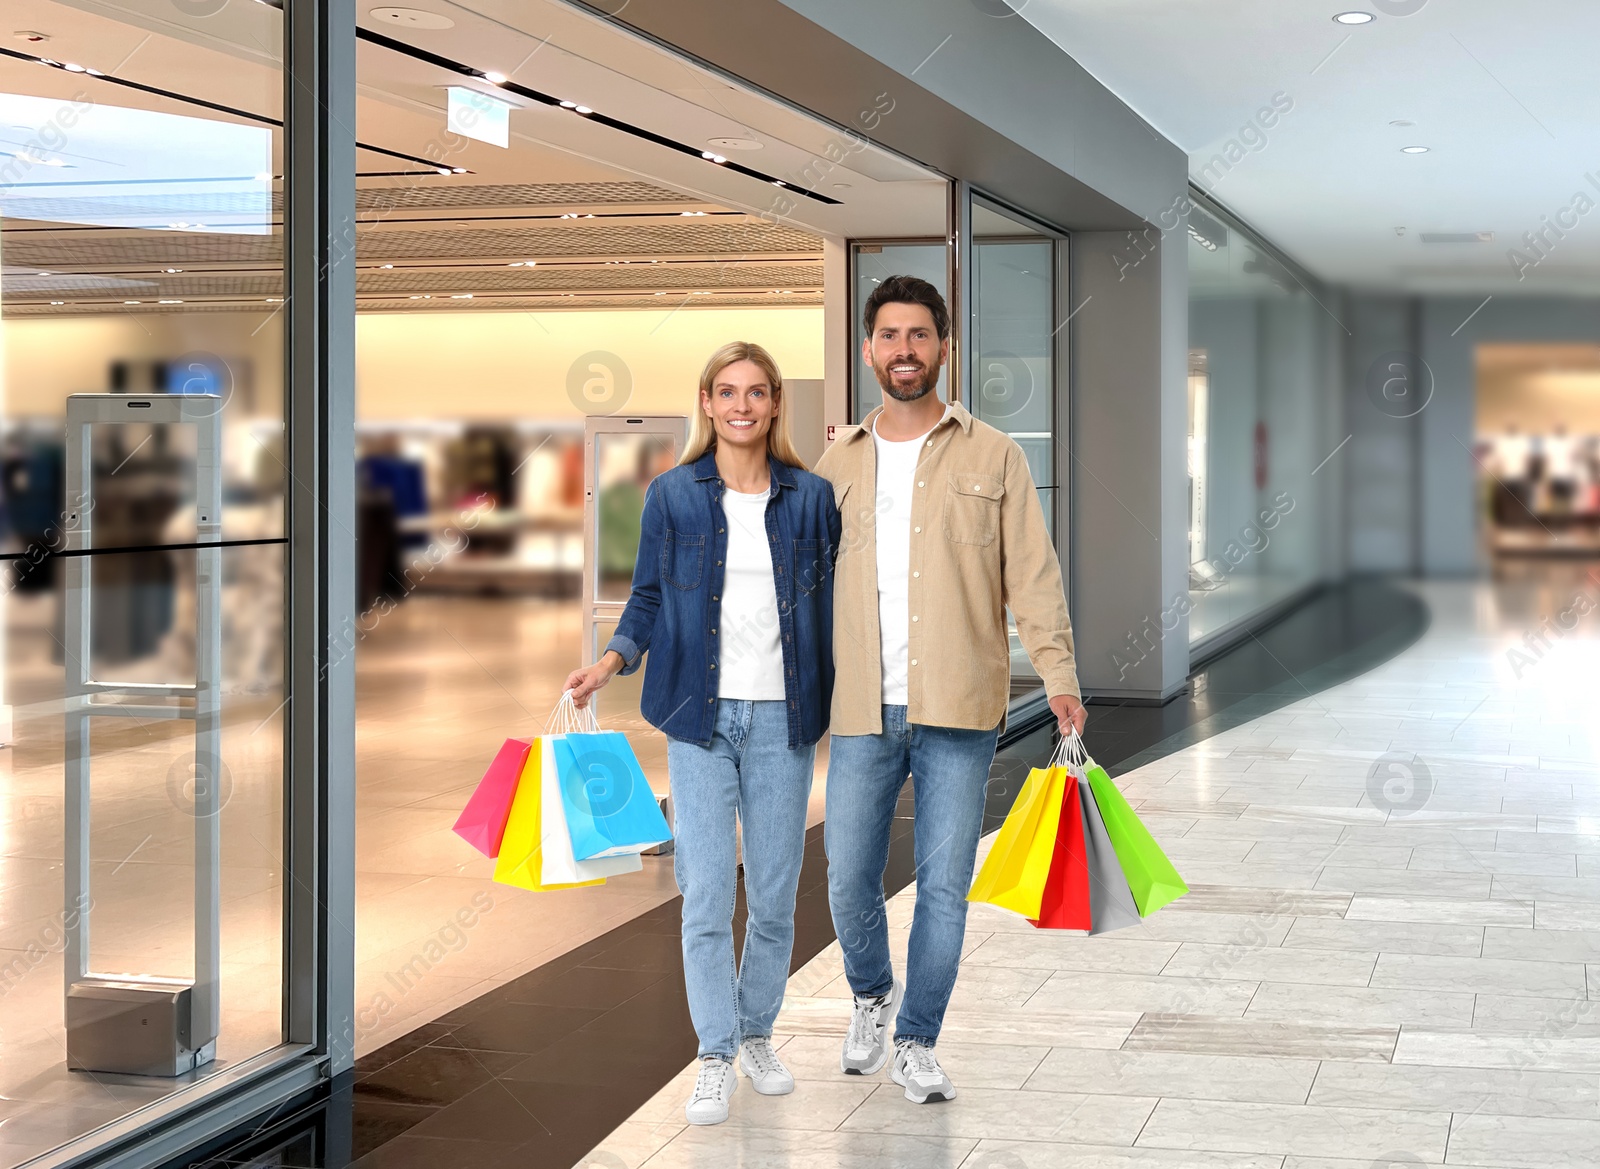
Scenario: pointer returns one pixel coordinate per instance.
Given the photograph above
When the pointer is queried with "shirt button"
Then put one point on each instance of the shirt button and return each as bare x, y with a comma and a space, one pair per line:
914, 617
977, 486
719, 564
916, 574
930, 442
916, 529
714, 664
721, 530
710, 700
913, 661
713, 631
920, 483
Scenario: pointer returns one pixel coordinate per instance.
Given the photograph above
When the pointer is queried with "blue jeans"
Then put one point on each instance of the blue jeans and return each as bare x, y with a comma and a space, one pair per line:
750, 774
949, 772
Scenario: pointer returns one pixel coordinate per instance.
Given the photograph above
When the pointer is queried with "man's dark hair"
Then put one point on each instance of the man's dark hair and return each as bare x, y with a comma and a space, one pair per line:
908, 290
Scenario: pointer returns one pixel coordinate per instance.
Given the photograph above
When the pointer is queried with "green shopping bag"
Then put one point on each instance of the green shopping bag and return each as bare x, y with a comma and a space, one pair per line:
1150, 874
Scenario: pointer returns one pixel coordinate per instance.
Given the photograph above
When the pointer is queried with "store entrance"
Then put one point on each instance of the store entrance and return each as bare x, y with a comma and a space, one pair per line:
598, 217
1538, 436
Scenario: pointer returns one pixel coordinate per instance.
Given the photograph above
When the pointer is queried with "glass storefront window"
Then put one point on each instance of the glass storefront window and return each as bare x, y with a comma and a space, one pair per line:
1253, 428
141, 674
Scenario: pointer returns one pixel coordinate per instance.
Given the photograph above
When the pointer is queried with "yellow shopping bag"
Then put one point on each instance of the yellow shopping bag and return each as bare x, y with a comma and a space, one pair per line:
520, 855
1014, 873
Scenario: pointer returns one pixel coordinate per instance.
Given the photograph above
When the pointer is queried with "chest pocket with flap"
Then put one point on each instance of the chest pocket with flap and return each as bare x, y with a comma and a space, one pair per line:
972, 507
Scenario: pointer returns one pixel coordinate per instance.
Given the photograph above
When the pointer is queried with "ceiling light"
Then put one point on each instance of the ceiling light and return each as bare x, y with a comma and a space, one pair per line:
386, 265
777, 182
1413, 150
58, 302
718, 158
461, 296
569, 105
169, 302
412, 18
583, 109
444, 170
43, 273
458, 170
1354, 18
172, 269
706, 154
71, 68
132, 302
496, 78
734, 143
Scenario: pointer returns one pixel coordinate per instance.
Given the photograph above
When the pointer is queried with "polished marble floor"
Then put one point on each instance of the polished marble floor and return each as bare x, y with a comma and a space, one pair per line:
1387, 957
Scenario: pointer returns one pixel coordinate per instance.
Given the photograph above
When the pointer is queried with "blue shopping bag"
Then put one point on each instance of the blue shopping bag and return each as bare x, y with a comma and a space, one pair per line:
610, 808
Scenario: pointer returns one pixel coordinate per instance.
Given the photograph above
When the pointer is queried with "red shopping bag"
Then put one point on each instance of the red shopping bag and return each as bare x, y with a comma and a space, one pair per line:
482, 822
1065, 905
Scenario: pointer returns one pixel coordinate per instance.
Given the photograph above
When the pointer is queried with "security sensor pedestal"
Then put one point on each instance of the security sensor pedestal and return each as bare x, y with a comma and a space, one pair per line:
143, 1024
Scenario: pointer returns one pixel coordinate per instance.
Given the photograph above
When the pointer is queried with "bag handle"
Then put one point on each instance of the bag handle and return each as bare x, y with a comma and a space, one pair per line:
1070, 751
568, 719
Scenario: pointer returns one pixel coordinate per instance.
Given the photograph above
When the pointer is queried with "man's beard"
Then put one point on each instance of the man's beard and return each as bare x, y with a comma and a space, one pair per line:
930, 379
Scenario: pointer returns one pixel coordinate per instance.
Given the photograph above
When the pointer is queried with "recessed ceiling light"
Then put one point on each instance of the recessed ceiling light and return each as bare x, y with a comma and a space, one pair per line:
412, 18
841, 186
58, 302
495, 78
386, 265
169, 302
734, 143
1413, 150
569, 105
583, 109
1354, 18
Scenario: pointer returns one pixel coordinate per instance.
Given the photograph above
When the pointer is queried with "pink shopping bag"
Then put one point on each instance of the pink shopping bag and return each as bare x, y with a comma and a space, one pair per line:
483, 821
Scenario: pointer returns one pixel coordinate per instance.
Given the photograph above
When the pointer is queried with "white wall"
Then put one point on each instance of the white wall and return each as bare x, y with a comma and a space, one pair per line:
486, 365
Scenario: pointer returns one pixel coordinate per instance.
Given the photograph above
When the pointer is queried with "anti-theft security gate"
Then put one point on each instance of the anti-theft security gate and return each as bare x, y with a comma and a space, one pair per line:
142, 1024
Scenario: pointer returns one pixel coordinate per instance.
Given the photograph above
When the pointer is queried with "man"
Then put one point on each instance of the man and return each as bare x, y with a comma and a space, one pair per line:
942, 530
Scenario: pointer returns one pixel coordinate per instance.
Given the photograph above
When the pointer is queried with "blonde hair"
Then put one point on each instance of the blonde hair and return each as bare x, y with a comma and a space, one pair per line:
703, 437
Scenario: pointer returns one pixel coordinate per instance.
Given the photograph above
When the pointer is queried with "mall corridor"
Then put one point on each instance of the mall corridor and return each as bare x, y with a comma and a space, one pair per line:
1390, 954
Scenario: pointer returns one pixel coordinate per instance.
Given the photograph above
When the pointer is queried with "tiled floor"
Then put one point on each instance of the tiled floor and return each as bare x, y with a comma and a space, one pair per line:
1387, 957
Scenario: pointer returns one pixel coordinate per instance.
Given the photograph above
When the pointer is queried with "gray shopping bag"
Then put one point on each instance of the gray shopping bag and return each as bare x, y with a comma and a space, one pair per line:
1111, 904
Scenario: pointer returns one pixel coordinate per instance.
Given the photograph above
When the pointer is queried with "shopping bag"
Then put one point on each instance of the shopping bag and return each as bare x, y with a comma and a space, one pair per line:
521, 861
1065, 904
1014, 873
482, 822
608, 802
558, 865
1111, 905
1150, 875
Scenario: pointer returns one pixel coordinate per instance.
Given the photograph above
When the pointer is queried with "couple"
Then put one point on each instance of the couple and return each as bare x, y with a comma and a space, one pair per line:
747, 599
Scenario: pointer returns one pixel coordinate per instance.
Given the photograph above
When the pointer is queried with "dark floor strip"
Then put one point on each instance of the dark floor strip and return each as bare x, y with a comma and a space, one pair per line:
539, 1071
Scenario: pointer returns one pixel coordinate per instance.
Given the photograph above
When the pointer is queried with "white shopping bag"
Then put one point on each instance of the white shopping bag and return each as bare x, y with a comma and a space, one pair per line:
558, 866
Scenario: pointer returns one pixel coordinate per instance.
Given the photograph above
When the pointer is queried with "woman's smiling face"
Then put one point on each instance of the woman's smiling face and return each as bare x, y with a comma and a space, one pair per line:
742, 405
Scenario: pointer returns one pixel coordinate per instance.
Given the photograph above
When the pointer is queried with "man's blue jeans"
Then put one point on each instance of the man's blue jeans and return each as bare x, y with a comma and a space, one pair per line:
949, 772
748, 773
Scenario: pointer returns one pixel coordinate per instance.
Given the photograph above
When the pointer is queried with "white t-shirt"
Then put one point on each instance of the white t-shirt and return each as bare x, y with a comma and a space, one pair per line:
896, 487
751, 663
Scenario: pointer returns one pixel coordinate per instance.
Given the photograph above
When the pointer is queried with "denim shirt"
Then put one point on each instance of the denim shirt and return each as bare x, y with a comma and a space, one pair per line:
675, 608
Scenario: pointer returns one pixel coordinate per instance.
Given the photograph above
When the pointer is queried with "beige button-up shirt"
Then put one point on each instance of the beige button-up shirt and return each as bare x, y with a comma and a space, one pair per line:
978, 544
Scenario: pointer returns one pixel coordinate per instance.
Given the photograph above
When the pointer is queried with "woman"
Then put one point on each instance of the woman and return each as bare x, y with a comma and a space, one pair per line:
733, 600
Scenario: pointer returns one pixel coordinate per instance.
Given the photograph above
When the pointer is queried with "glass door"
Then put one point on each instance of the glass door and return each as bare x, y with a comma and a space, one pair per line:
1013, 338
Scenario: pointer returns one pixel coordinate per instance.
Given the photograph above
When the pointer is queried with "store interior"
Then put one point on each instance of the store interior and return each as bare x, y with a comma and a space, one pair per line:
1538, 452
510, 299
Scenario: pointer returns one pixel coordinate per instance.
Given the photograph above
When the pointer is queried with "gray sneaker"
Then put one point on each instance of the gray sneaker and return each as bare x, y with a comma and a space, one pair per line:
866, 1046
917, 1070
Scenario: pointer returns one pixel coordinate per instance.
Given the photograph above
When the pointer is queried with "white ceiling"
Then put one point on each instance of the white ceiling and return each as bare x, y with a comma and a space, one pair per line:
1504, 94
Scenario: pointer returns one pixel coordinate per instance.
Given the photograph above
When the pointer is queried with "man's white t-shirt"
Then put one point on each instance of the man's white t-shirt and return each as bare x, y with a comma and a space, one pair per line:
897, 485
751, 663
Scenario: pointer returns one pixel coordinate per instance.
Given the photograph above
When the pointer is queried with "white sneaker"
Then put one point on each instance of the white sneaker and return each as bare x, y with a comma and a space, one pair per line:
767, 1074
866, 1045
917, 1070
712, 1091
